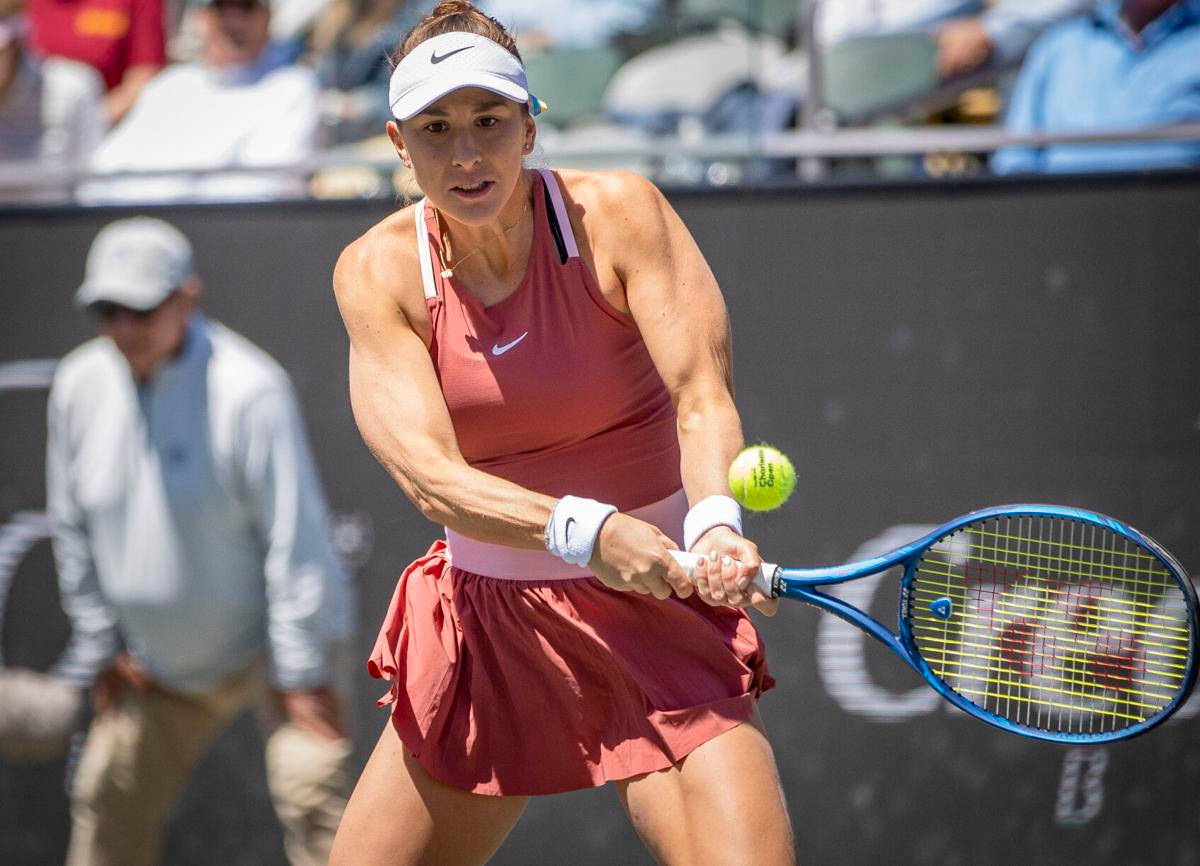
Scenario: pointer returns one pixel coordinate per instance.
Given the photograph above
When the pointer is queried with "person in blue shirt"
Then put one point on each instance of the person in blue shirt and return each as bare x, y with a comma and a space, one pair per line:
969, 33
1130, 65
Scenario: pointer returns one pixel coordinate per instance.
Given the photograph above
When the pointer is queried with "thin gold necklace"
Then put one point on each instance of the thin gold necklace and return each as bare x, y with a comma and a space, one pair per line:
447, 271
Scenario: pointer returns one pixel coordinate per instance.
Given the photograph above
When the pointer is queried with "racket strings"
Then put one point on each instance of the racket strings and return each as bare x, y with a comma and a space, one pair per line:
1154, 663
1051, 623
1163, 634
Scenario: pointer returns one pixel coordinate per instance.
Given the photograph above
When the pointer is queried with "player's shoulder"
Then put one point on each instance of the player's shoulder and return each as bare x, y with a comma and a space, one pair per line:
617, 211
607, 190
383, 260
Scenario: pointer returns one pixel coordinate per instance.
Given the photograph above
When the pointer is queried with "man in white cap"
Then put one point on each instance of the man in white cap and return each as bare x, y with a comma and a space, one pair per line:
193, 550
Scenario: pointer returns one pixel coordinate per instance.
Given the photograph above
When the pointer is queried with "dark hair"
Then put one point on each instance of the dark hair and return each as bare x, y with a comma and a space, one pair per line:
455, 16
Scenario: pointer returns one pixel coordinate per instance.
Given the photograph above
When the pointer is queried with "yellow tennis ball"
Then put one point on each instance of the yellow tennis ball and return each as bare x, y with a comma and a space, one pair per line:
761, 478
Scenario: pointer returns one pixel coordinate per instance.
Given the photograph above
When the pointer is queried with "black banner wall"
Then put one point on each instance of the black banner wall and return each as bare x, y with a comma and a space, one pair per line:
919, 351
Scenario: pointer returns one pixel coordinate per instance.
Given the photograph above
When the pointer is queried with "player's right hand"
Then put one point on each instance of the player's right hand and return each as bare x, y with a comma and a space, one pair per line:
725, 573
632, 555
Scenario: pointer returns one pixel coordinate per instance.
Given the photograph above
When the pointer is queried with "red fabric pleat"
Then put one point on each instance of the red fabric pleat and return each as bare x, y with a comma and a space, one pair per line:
511, 687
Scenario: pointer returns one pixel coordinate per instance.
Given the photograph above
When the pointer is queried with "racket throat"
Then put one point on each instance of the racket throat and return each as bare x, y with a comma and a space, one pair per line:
844, 610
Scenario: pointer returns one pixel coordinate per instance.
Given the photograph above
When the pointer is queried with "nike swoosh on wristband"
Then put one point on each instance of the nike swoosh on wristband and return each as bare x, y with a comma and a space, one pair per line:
433, 58
500, 350
567, 530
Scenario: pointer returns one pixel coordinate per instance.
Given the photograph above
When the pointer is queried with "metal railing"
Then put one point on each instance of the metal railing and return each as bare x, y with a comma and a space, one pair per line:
654, 152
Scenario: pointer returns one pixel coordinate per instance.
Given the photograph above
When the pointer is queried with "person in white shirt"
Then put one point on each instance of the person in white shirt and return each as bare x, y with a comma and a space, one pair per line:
194, 555
51, 117
238, 109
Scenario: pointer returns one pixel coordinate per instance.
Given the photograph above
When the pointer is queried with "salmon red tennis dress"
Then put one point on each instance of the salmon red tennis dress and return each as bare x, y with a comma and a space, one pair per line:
512, 672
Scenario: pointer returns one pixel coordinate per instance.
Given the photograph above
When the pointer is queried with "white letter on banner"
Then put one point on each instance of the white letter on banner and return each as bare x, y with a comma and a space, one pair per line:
841, 655
1081, 789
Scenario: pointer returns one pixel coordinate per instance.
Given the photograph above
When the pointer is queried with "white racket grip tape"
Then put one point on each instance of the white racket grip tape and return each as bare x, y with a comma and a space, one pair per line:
762, 579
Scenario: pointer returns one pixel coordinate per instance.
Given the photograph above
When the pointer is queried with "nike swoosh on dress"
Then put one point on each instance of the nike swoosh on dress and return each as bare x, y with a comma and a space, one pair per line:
500, 350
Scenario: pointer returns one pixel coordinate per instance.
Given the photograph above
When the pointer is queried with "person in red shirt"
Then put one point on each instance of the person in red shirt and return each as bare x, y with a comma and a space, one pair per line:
124, 40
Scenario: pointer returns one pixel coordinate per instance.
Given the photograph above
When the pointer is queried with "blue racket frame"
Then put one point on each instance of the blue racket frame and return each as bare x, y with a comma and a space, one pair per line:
800, 583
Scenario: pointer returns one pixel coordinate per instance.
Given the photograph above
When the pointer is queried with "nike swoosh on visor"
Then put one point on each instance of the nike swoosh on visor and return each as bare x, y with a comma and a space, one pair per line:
433, 58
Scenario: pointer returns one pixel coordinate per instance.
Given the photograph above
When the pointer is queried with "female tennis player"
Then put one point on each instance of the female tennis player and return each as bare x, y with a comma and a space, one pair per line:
541, 360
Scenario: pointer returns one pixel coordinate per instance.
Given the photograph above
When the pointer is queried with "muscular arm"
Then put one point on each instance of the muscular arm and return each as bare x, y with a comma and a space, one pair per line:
398, 401
678, 307
675, 301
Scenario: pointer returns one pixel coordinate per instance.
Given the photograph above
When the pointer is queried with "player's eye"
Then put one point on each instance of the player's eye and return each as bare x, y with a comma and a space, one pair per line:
488, 122
436, 126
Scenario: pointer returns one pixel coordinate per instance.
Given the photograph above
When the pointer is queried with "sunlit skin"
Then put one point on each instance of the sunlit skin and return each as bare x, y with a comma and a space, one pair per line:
473, 136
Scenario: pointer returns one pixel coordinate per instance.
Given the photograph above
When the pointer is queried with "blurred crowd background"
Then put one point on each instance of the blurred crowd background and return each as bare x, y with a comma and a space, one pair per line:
177, 100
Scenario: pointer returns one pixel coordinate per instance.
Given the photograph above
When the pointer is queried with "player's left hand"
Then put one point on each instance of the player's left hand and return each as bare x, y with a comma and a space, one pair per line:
962, 45
726, 574
314, 710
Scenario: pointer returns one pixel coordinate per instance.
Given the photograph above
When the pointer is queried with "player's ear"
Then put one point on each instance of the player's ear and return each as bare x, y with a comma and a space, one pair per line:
530, 134
397, 138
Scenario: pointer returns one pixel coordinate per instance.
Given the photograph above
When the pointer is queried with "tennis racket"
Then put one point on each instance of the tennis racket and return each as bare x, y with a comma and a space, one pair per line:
1051, 622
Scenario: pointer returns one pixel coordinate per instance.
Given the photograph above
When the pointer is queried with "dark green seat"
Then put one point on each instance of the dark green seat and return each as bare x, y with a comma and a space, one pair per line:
571, 82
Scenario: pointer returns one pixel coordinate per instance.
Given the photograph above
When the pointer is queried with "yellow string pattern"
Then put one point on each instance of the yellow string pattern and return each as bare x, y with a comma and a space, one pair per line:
1051, 623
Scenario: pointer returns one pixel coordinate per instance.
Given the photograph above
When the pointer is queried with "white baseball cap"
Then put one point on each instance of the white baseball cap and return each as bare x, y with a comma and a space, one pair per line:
452, 61
136, 263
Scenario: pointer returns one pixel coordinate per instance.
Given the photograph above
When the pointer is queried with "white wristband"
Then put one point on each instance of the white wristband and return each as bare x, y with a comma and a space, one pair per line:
709, 512
573, 528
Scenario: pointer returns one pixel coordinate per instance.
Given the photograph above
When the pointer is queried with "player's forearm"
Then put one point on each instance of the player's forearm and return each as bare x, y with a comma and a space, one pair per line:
476, 504
710, 436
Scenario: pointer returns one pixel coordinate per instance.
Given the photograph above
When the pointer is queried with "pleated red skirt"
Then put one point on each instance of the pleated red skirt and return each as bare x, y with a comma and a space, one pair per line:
515, 687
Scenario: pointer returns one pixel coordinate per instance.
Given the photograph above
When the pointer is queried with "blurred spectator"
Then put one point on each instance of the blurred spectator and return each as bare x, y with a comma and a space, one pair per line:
555, 24
122, 39
237, 108
969, 33
50, 117
194, 557
1130, 65
350, 47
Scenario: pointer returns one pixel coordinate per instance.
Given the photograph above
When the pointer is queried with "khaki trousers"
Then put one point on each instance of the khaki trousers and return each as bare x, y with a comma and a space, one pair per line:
139, 754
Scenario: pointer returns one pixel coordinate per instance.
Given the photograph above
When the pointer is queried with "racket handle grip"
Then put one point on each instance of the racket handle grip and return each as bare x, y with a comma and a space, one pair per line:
763, 578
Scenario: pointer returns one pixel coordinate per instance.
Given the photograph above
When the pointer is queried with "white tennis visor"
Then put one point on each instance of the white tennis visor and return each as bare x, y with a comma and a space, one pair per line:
452, 61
